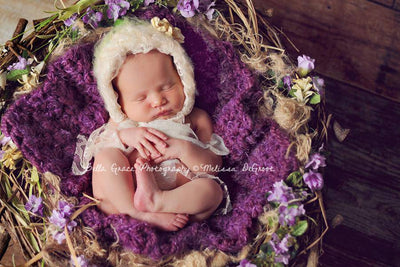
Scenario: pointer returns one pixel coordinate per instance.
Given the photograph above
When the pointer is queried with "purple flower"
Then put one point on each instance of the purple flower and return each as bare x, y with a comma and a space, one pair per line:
34, 205
317, 160
288, 214
305, 64
205, 6
313, 180
20, 65
92, 18
148, 2
283, 258
60, 218
58, 236
71, 20
188, 7
71, 225
116, 8
65, 208
5, 140
57, 218
246, 263
319, 84
209, 14
281, 248
281, 193
81, 260
287, 81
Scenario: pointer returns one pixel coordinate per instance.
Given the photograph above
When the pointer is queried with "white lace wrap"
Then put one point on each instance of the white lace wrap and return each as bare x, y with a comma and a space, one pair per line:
107, 136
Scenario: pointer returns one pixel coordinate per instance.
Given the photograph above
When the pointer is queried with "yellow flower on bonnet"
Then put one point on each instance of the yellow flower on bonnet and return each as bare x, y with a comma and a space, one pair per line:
165, 27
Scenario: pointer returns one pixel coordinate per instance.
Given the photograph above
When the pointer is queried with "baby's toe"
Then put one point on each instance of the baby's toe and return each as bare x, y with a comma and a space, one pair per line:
180, 221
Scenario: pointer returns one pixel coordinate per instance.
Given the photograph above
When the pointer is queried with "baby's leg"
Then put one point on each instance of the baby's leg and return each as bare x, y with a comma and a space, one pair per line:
199, 198
113, 184
112, 181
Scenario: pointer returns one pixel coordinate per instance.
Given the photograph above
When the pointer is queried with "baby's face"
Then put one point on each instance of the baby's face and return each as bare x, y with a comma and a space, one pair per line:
149, 87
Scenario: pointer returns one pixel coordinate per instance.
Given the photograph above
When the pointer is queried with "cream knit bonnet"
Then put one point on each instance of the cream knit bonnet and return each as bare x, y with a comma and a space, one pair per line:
132, 37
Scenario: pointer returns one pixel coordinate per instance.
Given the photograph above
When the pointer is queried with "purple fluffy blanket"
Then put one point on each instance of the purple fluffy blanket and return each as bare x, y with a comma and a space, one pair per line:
45, 124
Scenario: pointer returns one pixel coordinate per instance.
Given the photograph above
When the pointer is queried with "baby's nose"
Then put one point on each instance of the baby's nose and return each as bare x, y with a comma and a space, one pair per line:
158, 100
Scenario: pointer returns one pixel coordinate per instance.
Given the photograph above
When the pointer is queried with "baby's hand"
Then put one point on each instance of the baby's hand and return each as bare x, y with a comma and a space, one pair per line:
173, 150
147, 141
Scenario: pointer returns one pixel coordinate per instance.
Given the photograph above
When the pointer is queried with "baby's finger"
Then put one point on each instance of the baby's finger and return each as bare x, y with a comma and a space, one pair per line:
156, 140
149, 146
159, 159
142, 152
158, 133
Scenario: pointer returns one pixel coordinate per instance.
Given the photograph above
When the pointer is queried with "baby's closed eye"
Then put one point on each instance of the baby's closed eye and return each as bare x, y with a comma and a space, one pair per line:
168, 87
140, 98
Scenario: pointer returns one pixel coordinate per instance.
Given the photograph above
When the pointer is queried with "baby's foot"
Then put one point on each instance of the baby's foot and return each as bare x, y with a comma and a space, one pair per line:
166, 221
147, 189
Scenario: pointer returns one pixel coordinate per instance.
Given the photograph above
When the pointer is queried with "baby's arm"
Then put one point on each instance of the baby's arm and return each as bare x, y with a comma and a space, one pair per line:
144, 140
190, 154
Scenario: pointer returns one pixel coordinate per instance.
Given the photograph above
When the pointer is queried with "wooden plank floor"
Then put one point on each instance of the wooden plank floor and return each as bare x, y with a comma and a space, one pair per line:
356, 44
355, 41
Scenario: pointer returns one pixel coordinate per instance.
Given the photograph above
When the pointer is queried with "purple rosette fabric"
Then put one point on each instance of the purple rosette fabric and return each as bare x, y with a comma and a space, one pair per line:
45, 123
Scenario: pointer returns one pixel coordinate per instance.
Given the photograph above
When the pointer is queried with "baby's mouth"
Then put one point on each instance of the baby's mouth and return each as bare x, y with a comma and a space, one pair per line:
164, 113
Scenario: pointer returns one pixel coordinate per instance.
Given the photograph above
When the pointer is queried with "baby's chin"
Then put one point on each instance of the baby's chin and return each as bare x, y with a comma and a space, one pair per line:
155, 117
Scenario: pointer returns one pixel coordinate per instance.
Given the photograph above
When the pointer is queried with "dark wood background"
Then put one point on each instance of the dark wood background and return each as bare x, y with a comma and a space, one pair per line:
356, 44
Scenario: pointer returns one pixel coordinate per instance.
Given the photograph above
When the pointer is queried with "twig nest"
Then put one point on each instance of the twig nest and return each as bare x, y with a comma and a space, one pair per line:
280, 66
291, 115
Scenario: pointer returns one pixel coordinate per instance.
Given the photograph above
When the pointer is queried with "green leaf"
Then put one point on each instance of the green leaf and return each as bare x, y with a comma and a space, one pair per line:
300, 228
280, 84
295, 179
118, 22
77, 8
33, 242
291, 92
282, 231
14, 75
34, 175
315, 99
44, 23
135, 4
74, 35
274, 205
172, 3
266, 248
21, 208
45, 36
272, 222
7, 185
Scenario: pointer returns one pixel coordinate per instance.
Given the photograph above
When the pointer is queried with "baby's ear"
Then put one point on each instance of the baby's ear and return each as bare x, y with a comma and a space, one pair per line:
114, 83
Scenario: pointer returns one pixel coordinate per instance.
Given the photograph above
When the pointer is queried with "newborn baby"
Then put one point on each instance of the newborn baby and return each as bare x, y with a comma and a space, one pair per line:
152, 159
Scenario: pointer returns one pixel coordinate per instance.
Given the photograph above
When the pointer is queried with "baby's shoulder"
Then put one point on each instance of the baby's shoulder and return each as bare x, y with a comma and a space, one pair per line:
198, 114
199, 120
